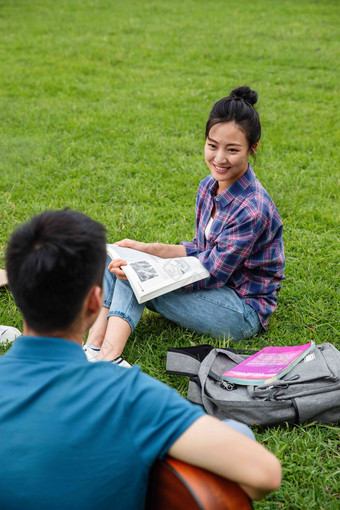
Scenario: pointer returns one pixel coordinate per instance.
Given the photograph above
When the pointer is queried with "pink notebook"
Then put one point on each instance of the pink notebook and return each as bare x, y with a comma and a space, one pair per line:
267, 365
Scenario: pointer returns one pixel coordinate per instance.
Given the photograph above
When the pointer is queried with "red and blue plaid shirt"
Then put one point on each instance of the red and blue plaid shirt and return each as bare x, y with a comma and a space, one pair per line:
244, 249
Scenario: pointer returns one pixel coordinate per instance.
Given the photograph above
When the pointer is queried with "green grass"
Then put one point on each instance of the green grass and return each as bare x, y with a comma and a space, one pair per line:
103, 106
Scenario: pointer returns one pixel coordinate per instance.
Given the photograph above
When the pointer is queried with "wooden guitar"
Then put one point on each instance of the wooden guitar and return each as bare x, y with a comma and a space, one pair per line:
175, 485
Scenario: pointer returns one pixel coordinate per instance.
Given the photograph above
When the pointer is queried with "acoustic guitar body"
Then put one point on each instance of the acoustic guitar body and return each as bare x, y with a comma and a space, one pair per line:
176, 485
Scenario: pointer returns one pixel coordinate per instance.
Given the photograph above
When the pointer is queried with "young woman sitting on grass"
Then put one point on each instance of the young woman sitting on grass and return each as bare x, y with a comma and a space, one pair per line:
238, 240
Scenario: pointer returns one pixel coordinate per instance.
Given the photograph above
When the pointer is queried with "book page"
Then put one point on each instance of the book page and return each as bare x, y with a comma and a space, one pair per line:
154, 274
128, 254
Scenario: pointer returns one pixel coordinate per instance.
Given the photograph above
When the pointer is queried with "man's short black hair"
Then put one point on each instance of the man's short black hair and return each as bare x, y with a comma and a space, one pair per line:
52, 261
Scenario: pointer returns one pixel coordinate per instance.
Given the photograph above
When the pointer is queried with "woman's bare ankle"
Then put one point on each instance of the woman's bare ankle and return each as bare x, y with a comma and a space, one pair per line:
95, 340
117, 333
109, 351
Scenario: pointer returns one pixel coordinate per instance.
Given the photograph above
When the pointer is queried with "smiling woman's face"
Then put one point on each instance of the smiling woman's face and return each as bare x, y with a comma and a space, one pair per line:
226, 153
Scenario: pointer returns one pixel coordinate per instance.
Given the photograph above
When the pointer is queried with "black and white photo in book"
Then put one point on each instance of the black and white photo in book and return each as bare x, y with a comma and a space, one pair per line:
143, 270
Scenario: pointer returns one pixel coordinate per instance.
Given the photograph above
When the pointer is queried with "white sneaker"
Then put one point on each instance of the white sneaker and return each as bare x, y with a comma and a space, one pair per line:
8, 334
91, 352
121, 362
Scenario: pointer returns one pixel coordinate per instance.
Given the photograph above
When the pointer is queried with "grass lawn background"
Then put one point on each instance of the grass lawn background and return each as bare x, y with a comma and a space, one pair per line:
103, 107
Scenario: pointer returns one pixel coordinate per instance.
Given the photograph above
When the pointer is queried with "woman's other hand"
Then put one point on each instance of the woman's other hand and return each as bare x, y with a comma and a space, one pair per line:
115, 268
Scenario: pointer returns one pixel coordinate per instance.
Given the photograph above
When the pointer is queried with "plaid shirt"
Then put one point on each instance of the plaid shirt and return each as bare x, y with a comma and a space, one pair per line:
244, 249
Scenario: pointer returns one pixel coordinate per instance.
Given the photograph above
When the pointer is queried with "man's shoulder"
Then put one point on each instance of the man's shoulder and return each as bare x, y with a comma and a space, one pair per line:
133, 382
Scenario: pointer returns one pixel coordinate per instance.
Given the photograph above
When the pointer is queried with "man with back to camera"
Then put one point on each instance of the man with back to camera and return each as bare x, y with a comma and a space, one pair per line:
82, 435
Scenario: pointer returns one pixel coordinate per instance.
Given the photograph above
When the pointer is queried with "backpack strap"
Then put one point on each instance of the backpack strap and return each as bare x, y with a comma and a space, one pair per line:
186, 360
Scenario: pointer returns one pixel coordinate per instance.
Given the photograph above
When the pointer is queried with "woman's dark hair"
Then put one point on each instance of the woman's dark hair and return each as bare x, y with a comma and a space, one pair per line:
238, 107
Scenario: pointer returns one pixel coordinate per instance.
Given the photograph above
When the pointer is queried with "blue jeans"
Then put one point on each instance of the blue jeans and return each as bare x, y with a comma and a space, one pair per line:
240, 427
218, 312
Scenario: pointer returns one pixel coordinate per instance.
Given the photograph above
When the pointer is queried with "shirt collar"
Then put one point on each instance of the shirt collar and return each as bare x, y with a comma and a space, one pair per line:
236, 189
46, 349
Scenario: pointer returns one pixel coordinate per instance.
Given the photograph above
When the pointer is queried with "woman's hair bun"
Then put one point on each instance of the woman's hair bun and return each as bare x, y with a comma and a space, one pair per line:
238, 107
245, 93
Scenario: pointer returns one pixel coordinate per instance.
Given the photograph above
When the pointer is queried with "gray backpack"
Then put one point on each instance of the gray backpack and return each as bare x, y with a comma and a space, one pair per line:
309, 392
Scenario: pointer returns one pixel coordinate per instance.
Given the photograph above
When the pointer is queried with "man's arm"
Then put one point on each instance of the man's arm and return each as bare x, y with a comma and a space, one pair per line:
210, 444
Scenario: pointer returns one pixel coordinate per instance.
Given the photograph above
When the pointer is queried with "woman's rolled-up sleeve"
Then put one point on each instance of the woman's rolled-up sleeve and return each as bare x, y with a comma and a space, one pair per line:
190, 247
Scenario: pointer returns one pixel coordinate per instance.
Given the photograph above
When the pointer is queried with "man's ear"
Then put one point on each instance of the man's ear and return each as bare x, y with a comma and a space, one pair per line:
94, 299
254, 147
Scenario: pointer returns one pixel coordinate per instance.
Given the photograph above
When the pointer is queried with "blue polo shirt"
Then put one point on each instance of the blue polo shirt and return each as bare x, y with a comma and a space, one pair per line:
80, 435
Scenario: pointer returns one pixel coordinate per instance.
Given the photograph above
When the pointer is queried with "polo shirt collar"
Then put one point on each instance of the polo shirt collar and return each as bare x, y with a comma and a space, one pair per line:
236, 189
47, 349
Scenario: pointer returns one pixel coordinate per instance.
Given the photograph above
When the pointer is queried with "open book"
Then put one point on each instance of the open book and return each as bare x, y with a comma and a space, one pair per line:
268, 365
151, 276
